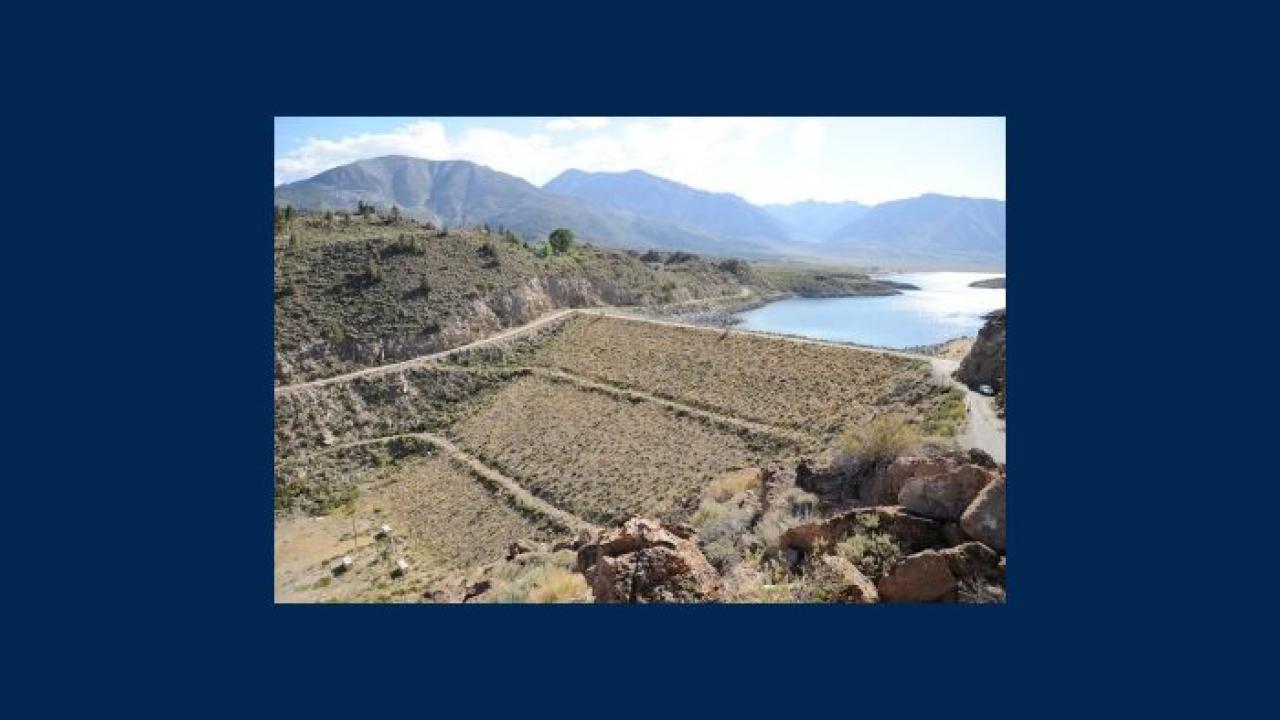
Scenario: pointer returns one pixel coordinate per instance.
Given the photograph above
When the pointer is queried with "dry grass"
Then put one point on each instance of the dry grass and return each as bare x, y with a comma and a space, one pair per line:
879, 442
599, 457
413, 400
448, 519
558, 585
732, 483
814, 388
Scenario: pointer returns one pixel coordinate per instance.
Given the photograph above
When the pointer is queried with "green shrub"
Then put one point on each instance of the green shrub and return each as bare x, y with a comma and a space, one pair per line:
405, 244
560, 240
335, 333
720, 526
871, 551
948, 415
880, 442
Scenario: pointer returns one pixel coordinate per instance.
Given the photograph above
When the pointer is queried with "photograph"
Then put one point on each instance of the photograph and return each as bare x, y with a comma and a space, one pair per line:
639, 360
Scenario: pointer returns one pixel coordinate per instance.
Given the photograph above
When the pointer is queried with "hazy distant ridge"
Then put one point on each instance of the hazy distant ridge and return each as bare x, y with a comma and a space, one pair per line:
638, 210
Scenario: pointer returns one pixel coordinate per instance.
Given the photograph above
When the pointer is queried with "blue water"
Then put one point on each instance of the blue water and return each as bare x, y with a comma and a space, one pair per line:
943, 308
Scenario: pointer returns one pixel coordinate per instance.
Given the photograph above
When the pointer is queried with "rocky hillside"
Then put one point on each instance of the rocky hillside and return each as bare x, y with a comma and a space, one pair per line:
926, 528
985, 363
355, 291
457, 193
641, 211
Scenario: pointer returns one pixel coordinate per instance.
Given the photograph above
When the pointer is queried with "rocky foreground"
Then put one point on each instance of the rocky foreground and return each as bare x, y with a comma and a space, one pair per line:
923, 528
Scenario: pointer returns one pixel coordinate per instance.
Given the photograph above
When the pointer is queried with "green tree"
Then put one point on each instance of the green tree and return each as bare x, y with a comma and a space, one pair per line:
561, 240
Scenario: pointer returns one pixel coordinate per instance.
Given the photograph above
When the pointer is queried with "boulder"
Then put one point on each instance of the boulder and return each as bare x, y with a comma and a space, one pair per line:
953, 534
923, 577
835, 579
984, 518
985, 362
911, 532
974, 562
980, 457
829, 476
648, 561
883, 487
946, 495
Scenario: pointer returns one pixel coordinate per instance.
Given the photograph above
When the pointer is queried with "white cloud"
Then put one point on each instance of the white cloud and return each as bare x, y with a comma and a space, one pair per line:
419, 139
690, 150
577, 123
808, 136
765, 160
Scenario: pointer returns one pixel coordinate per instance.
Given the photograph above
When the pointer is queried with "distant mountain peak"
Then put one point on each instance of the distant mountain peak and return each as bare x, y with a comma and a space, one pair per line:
642, 192
638, 209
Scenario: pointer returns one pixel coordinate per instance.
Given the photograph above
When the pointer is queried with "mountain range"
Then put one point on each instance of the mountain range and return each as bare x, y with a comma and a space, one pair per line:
638, 210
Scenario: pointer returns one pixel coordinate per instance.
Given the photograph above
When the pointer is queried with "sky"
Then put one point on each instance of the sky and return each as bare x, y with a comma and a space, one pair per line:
765, 160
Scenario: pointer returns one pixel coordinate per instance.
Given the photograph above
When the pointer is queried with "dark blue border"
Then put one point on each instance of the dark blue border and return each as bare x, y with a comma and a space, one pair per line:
138, 352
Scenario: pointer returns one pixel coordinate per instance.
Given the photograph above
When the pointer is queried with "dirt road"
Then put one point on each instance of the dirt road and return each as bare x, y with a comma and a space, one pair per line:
422, 359
984, 430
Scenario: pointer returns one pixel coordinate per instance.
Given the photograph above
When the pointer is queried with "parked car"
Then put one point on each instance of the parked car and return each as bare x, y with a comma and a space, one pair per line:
986, 390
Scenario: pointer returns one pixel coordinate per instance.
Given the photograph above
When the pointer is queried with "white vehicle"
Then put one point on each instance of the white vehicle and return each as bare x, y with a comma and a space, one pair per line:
986, 390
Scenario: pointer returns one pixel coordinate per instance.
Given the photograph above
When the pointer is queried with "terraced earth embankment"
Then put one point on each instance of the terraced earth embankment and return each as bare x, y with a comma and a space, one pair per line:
585, 420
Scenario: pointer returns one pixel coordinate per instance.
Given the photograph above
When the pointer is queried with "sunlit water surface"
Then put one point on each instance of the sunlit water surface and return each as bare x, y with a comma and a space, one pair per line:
943, 308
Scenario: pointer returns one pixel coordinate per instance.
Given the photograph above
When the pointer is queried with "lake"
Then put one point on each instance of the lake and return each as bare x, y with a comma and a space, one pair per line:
943, 308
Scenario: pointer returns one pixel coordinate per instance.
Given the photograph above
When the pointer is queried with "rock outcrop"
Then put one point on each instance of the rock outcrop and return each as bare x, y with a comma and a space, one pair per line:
883, 487
923, 577
830, 476
911, 532
945, 496
835, 579
984, 518
648, 561
985, 364
974, 562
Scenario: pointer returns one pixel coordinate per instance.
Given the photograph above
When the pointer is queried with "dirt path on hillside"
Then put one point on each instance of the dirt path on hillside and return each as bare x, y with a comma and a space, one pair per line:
478, 467
984, 430
711, 416
496, 337
422, 359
